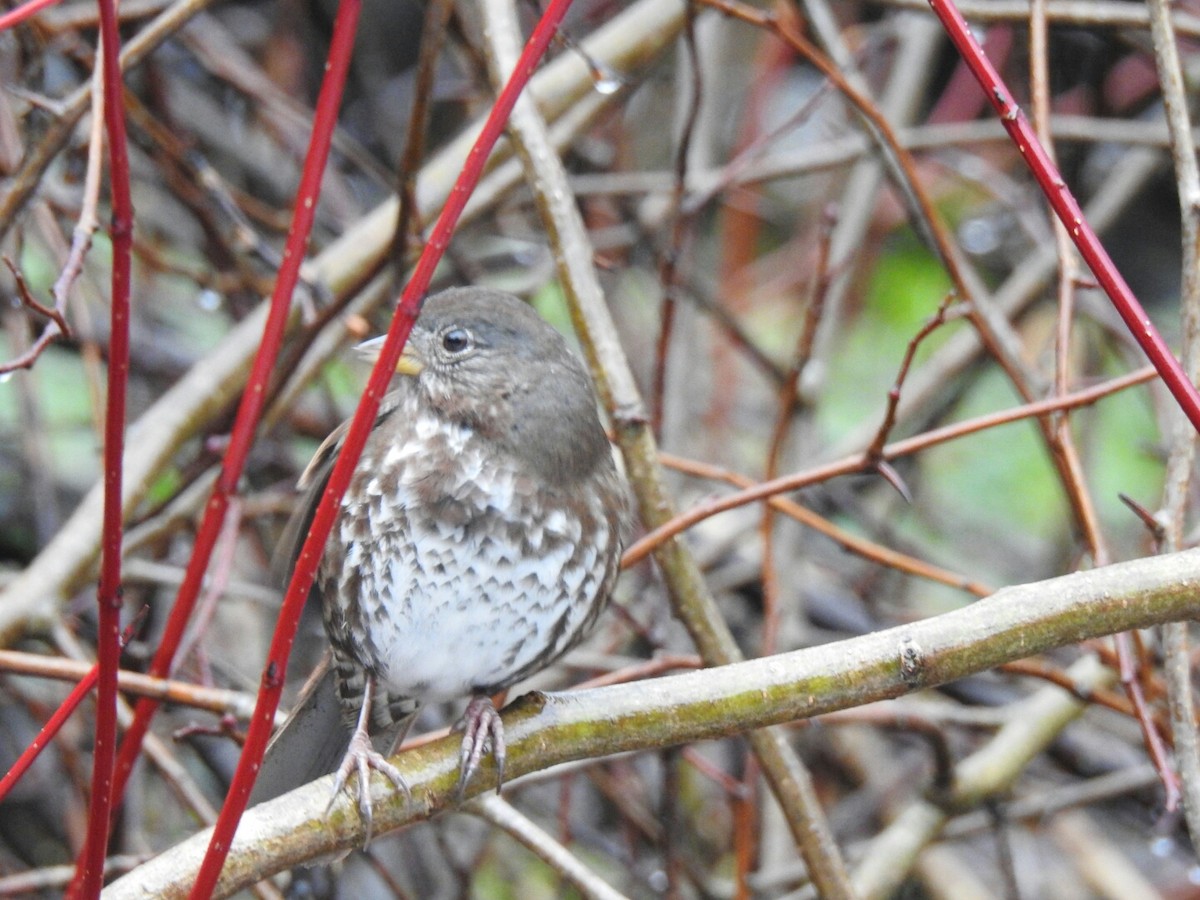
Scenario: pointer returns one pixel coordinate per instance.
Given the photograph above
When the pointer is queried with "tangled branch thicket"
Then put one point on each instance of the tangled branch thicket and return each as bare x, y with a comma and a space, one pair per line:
854, 389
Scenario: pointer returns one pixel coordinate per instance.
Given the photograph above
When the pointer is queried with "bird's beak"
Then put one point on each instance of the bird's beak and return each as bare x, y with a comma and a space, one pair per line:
410, 362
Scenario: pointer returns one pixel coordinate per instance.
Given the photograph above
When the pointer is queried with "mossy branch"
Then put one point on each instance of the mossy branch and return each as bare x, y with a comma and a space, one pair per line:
544, 730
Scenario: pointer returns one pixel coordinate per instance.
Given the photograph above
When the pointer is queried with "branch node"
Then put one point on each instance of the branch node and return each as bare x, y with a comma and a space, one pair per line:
912, 662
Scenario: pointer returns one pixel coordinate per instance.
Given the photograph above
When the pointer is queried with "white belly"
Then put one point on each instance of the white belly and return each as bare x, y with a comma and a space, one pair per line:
460, 598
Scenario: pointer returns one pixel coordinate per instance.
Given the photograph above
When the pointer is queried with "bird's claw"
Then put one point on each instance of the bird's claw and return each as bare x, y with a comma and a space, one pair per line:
361, 758
482, 728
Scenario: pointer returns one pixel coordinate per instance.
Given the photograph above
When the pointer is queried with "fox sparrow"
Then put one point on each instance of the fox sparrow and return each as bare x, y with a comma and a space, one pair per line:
478, 539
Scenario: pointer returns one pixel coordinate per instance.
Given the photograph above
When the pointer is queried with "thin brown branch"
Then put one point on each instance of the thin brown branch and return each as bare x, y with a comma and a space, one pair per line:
867, 549
433, 36
54, 330
672, 257
788, 400
860, 463
1181, 461
213, 700
936, 321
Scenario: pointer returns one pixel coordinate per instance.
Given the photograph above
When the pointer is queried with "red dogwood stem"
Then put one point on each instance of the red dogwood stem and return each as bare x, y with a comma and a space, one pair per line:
47, 732
89, 875
254, 398
1069, 212
23, 12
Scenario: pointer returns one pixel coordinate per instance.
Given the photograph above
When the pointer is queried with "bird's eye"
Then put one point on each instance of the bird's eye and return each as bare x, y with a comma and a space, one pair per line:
456, 340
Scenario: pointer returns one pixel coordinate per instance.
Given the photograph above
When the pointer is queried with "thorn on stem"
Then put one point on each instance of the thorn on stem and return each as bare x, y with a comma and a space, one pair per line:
1153, 525
889, 474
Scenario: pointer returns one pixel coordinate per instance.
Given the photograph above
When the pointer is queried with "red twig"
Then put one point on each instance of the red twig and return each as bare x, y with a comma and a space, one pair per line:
21, 13
242, 435
859, 462
254, 398
1069, 211
82, 688
360, 427
90, 873
48, 730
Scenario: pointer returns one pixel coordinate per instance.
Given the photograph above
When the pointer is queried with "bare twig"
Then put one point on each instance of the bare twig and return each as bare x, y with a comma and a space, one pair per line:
1061, 439
433, 35
936, 321
181, 692
672, 258
788, 400
860, 462
1180, 463
56, 328
495, 809
87, 222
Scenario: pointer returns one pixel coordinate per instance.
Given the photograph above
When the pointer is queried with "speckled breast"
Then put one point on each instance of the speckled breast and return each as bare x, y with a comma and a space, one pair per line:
468, 573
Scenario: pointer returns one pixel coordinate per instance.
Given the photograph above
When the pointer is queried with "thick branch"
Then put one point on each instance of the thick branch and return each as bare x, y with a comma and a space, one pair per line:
545, 730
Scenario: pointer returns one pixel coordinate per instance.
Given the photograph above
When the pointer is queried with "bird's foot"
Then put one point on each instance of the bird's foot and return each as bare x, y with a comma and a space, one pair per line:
361, 758
482, 729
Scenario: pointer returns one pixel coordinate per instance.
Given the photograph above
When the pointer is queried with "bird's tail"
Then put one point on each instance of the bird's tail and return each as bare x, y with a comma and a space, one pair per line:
311, 741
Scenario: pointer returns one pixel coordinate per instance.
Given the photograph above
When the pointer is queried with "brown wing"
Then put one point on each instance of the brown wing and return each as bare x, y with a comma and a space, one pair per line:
312, 740
312, 482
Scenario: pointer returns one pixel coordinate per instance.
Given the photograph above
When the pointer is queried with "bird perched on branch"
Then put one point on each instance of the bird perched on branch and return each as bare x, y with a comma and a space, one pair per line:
478, 540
